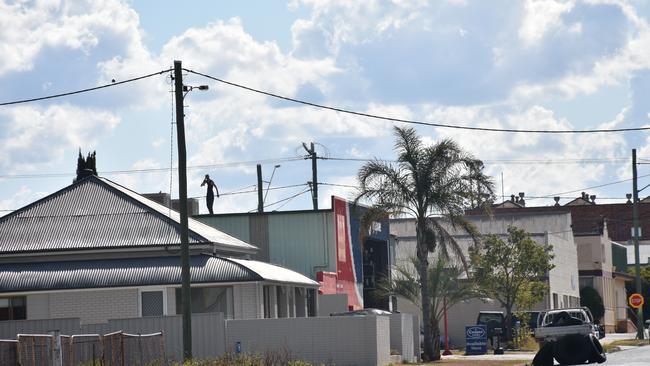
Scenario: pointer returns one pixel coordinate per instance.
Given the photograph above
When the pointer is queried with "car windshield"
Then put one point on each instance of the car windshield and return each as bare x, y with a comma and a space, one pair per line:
551, 317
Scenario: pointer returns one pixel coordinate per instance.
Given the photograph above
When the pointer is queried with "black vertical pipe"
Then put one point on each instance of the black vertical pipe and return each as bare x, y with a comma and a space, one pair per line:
260, 195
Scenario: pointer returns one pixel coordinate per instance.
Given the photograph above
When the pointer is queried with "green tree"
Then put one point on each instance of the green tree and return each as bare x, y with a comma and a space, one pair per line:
444, 285
590, 298
630, 288
511, 271
433, 184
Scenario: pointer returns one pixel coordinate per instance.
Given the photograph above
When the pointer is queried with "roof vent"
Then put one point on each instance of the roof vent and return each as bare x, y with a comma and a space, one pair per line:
629, 198
557, 201
593, 198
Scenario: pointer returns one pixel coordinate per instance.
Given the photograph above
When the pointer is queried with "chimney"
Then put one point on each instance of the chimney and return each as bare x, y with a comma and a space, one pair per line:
557, 201
512, 198
593, 198
521, 199
629, 198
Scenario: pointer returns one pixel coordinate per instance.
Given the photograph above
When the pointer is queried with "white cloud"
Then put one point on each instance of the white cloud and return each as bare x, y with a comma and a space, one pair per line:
18, 199
35, 137
541, 17
536, 178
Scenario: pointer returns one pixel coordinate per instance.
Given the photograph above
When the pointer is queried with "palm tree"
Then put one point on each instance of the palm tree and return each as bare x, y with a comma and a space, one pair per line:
433, 184
444, 287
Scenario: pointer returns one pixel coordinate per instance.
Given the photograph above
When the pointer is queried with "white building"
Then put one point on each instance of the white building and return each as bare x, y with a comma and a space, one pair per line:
548, 228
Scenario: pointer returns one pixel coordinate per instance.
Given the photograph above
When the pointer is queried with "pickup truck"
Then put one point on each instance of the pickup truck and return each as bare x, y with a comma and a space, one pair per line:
553, 324
568, 335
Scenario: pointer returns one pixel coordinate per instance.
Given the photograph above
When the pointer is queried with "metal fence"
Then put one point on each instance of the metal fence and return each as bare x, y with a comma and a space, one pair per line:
113, 349
8, 352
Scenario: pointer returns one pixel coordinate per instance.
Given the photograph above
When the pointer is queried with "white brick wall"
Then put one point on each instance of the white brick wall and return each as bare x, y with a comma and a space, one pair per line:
95, 306
38, 306
358, 341
246, 302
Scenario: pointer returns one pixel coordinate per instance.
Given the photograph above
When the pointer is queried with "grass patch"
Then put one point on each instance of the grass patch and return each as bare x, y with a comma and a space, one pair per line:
478, 363
277, 358
624, 342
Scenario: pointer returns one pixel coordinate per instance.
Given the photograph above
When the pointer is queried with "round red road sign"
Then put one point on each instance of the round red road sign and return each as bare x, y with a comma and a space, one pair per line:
636, 300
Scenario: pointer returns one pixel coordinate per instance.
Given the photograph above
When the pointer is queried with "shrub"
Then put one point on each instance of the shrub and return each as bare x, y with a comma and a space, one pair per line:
590, 298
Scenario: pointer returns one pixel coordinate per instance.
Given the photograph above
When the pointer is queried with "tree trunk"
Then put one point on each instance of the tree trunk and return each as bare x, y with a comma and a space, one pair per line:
508, 331
423, 265
436, 338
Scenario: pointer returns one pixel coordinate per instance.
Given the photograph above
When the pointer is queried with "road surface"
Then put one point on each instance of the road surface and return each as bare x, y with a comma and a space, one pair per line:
638, 356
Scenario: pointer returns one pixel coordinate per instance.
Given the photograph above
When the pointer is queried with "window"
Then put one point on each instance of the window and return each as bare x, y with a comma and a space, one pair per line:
152, 303
311, 302
208, 300
13, 308
556, 304
267, 302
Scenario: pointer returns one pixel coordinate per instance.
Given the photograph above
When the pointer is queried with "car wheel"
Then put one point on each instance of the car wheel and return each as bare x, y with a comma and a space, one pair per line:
572, 349
597, 352
544, 356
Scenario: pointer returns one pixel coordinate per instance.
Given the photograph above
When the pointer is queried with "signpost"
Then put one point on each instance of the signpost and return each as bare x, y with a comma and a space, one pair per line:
475, 339
636, 301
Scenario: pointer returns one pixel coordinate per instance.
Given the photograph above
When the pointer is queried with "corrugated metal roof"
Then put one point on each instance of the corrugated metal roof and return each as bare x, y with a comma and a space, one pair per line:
274, 273
98, 213
23, 277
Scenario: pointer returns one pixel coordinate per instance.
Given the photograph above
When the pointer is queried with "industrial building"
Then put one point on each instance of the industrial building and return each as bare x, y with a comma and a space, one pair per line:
332, 246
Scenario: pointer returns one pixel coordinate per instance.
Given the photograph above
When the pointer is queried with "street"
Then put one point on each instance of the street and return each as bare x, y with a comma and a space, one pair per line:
637, 356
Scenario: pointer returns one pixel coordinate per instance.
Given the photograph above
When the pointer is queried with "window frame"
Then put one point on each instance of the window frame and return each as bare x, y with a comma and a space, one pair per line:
153, 289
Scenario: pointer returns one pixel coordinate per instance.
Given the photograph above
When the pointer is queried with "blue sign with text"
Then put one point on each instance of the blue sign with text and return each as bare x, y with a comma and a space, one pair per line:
475, 339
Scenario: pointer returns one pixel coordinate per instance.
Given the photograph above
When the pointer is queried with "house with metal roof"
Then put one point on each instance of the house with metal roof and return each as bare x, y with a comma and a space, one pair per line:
96, 250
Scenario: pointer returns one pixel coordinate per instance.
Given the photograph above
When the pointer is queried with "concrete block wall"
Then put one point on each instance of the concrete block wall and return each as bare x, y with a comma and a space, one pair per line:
338, 340
401, 336
329, 340
89, 306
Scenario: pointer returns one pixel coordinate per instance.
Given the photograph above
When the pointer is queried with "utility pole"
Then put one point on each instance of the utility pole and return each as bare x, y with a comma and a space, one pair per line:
635, 237
182, 196
260, 196
314, 173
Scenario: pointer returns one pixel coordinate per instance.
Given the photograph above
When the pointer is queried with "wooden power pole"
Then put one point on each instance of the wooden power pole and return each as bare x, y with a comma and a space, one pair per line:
314, 173
182, 196
635, 237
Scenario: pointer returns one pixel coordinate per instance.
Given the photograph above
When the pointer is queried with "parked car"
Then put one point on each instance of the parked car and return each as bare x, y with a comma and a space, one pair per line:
492, 320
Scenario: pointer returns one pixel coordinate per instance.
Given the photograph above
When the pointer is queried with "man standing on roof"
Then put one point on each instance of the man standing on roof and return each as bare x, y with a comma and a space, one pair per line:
209, 196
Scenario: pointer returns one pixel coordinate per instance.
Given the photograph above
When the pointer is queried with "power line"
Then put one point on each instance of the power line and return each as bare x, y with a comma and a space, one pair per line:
527, 197
593, 187
508, 161
153, 170
84, 90
430, 124
241, 191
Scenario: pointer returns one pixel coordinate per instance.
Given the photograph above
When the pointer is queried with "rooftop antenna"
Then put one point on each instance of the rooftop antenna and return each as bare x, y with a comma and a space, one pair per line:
269, 183
503, 195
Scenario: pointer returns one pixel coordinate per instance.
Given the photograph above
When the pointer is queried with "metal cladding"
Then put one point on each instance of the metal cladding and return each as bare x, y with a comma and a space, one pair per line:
97, 213
66, 275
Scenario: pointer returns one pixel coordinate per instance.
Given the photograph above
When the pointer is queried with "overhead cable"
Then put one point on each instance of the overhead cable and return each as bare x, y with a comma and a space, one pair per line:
507, 161
153, 170
115, 83
430, 124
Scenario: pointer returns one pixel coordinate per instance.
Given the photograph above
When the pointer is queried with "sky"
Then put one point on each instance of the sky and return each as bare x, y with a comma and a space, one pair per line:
546, 64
